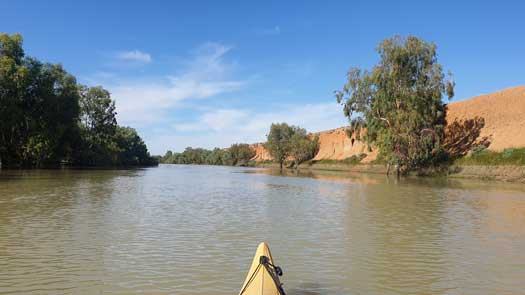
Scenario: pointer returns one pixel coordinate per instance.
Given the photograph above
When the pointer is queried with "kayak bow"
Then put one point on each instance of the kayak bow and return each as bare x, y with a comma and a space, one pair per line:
263, 277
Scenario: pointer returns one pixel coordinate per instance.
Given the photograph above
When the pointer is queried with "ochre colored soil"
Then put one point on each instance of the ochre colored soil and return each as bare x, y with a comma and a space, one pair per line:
503, 113
496, 120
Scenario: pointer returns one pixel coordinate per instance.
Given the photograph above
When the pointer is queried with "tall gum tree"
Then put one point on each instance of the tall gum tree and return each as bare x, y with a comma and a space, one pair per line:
278, 142
399, 103
38, 107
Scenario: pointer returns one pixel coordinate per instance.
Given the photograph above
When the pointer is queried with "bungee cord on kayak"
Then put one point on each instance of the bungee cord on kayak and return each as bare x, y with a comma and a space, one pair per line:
261, 268
250, 280
273, 270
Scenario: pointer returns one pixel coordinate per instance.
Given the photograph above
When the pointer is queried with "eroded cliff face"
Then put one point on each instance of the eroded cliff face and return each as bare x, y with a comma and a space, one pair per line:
496, 120
336, 145
261, 154
333, 145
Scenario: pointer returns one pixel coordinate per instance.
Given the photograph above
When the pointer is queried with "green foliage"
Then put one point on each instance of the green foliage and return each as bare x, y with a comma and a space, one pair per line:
102, 142
509, 156
302, 148
278, 142
132, 151
285, 141
189, 156
235, 155
98, 127
194, 156
240, 154
47, 118
352, 160
219, 157
399, 104
38, 107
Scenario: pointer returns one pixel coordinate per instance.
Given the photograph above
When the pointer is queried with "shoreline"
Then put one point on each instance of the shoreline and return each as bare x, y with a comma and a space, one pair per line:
67, 167
503, 173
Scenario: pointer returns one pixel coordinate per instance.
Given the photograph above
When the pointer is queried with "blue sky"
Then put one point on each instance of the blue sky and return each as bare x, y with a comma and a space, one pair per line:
211, 73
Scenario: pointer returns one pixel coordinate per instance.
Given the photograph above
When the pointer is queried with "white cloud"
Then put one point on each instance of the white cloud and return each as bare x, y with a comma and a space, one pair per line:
145, 103
220, 128
147, 100
135, 56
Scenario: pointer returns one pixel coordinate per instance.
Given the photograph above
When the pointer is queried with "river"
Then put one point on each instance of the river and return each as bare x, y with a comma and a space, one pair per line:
194, 229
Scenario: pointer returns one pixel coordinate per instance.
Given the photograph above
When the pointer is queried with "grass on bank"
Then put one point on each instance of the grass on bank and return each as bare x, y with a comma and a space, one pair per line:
353, 160
509, 156
478, 156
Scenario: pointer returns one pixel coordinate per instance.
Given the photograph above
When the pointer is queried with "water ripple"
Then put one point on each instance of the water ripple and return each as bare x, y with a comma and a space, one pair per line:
193, 230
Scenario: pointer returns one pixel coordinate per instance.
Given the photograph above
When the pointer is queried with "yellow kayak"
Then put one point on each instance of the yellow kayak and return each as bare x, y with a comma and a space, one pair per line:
263, 277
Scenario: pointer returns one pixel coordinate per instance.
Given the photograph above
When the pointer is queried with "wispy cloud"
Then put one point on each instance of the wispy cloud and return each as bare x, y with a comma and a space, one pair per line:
147, 100
134, 56
153, 103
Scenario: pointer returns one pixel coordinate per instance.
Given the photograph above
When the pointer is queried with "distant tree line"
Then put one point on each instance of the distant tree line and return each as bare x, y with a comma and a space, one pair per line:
285, 143
236, 155
48, 119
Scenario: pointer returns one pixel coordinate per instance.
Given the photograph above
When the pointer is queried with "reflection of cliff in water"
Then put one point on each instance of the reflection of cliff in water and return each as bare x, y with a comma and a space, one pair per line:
324, 175
375, 178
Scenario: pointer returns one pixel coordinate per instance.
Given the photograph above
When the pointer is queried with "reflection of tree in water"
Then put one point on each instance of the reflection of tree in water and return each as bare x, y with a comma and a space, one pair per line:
43, 192
325, 175
45, 212
396, 240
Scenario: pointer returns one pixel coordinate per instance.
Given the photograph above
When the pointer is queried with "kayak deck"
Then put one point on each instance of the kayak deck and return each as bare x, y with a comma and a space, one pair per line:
263, 276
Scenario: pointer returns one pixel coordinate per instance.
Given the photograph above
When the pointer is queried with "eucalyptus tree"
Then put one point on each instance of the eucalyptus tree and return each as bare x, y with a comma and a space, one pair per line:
398, 105
278, 142
46, 118
98, 127
132, 151
302, 146
240, 154
38, 107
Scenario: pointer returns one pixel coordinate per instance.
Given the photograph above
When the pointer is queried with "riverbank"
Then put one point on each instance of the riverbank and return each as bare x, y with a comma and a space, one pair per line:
81, 167
507, 173
492, 121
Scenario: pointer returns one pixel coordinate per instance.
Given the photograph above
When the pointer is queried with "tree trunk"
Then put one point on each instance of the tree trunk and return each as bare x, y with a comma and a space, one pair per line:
281, 165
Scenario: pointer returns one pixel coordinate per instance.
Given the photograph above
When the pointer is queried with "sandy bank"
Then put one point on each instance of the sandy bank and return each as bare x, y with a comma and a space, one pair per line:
496, 120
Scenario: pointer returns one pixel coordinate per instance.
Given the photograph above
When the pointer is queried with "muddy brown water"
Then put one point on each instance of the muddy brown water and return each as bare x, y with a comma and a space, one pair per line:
193, 230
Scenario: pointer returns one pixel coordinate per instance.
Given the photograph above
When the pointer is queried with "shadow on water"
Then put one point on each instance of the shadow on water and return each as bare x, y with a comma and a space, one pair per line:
306, 289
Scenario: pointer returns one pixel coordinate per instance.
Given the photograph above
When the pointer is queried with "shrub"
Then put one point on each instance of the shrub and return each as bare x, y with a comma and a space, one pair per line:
509, 156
